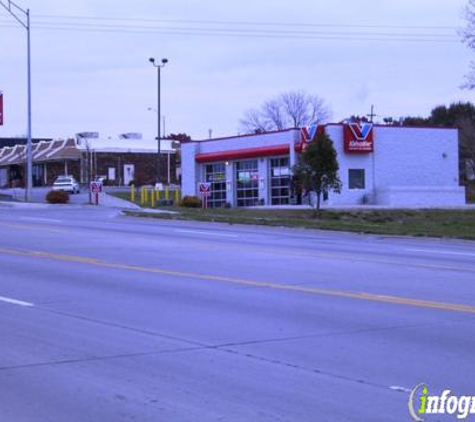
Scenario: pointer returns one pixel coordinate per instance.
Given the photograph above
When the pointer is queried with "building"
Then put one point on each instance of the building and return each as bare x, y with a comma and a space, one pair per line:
119, 161
381, 165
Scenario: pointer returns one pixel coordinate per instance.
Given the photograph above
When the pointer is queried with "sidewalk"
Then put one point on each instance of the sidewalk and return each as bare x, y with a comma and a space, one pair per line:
76, 201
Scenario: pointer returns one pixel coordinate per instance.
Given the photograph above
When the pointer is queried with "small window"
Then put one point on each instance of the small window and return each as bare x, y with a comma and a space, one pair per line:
356, 179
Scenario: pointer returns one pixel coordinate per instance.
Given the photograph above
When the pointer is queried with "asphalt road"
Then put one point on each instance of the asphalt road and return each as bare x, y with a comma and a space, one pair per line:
109, 318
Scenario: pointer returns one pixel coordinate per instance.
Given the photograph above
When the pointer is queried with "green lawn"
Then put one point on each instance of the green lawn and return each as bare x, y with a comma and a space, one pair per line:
434, 223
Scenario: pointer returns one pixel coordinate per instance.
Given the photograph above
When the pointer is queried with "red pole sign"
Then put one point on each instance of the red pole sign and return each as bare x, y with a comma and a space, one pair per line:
205, 191
1, 108
96, 189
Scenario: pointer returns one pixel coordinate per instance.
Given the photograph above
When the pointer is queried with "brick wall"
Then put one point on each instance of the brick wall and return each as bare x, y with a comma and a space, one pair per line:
145, 166
55, 169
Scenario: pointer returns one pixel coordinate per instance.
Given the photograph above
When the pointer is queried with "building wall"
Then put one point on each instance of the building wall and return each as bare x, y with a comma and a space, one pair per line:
55, 169
193, 173
145, 166
408, 167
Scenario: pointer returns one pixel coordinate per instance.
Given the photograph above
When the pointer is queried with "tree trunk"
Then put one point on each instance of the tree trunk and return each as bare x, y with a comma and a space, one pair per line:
316, 207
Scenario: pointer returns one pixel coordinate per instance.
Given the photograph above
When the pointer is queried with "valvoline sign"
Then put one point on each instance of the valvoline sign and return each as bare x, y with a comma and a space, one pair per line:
358, 137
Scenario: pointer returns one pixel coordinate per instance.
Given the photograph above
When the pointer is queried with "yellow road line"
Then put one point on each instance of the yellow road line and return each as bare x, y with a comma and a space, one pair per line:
396, 300
343, 256
27, 227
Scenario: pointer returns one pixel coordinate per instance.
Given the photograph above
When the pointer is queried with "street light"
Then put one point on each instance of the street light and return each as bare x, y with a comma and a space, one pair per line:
158, 66
8, 4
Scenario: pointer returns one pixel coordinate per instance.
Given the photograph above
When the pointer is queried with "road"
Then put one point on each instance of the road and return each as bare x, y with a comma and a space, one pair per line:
110, 318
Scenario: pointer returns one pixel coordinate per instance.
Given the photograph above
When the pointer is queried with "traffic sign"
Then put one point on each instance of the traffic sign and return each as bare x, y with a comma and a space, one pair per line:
96, 187
204, 188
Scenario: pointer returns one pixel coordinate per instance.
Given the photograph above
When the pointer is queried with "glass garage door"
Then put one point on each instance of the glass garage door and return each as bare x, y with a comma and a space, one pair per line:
216, 175
247, 183
280, 181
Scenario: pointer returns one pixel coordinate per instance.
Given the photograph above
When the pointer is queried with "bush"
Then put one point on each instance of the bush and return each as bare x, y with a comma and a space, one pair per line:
190, 202
57, 197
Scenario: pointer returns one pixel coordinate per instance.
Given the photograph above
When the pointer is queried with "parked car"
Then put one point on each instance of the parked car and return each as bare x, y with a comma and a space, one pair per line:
66, 183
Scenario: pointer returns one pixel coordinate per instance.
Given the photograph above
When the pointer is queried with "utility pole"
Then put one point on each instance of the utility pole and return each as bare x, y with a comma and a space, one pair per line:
158, 66
371, 115
13, 9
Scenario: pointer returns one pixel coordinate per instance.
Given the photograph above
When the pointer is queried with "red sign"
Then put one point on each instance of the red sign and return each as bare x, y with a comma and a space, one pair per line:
96, 187
358, 137
204, 189
1, 108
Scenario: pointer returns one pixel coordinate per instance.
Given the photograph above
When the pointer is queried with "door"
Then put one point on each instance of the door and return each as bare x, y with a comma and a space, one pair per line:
129, 174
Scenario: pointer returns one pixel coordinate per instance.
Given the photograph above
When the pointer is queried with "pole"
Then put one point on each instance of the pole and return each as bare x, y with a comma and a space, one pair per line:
25, 24
158, 123
29, 161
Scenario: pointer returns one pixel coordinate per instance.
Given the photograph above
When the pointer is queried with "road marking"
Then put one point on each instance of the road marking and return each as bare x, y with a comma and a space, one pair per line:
15, 301
395, 300
206, 233
440, 252
25, 227
44, 220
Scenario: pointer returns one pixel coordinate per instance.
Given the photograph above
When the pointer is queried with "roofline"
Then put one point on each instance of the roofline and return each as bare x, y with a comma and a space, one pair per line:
402, 126
246, 135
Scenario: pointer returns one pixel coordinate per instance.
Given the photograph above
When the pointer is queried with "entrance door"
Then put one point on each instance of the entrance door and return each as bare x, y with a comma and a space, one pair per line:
129, 173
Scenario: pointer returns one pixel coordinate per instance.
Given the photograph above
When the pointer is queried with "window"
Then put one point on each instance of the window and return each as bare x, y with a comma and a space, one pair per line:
247, 183
216, 175
280, 181
356, 179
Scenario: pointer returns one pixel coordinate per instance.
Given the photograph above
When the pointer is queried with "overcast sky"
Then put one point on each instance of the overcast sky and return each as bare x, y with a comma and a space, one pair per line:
93, 74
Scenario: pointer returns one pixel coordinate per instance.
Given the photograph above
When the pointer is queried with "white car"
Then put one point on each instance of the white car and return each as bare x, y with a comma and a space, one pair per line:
66, 183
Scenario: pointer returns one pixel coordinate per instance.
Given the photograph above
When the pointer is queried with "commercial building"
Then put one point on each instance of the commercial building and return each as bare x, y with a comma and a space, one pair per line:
119, 161
381, 165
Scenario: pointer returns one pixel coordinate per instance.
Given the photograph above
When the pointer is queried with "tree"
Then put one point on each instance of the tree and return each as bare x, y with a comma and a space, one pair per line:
459, 115
286, 111
468, 38
318, 169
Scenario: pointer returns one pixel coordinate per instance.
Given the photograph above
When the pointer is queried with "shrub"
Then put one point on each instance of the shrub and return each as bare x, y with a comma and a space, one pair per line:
57, 197
190, 202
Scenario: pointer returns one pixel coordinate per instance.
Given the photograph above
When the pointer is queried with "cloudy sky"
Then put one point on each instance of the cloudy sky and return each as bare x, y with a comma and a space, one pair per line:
91, 71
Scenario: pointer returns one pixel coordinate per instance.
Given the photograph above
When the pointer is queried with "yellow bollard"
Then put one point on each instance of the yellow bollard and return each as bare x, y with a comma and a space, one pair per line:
141, 196
177, 196
152, 198
132, 193
167, 193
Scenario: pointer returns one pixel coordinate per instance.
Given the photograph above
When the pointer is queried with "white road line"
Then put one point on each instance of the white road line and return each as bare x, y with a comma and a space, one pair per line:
440, 252
44, 220
206, 233
15, 302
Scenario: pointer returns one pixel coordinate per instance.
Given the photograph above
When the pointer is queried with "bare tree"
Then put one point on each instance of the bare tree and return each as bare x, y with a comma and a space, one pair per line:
287, 110
468, 38
467, 148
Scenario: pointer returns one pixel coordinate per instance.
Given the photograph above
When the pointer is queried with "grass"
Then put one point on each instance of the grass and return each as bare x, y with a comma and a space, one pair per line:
433, 223
455, 223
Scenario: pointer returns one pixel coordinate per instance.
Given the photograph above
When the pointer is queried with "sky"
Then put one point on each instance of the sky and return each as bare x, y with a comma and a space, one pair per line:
90, 68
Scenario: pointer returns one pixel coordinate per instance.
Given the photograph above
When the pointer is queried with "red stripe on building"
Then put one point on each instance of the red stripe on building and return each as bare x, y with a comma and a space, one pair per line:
243, 153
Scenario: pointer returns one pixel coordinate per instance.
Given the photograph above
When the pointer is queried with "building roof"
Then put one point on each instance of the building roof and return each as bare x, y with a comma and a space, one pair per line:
121, 145
41, 151
11, 142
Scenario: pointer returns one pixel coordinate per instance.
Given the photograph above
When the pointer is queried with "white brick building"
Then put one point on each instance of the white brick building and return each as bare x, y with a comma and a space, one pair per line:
382, 165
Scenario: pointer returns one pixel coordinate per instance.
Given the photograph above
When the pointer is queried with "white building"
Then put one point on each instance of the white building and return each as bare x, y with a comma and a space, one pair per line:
382, 165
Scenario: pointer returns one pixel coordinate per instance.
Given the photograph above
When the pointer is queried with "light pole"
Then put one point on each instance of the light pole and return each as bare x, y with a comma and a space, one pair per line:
13, 9
158, 66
